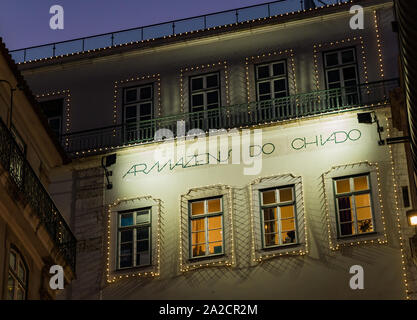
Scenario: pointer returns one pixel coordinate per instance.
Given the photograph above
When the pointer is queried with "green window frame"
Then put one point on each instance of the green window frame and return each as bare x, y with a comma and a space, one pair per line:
134, 236
17, 281
278, 216
206, 227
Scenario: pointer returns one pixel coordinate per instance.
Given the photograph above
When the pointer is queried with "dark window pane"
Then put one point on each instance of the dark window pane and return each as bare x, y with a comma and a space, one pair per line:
131, 95
142, 246
130, 112
271, 239
143, 233
126, 236
263, 72
212, 81
146, 109
212, 97
264, 88
278, 69
125, 261
197, 100
126, 249
335, 85
280, 85
271, 226
269, 214
333, 76
196, 84
55, 125
52, 108
146, 93
265, 97
344, 203
126, 220
349, 73
332, 59
346, 229
348, 56
345, 216
351, 84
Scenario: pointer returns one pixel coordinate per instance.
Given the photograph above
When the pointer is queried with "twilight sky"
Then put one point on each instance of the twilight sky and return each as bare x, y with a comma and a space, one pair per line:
25, 23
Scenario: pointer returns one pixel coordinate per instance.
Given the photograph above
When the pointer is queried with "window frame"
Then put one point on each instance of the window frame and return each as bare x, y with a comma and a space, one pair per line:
271, 79
134, 241
205, 216
19, 259
278, 205
341, 65
60, 117
137, 104
205, 90
354, 209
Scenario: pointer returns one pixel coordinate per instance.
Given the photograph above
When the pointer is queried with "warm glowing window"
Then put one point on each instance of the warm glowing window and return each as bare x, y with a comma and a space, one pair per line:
206, 225
354, 205
17, 279
134, 238
278, 216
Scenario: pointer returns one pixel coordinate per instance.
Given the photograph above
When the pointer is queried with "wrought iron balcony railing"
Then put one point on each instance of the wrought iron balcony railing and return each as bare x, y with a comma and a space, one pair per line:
165, 29
22, 174
235, 116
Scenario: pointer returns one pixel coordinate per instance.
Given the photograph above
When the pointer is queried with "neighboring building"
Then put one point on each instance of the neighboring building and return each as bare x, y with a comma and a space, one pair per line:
316, 189
33, 234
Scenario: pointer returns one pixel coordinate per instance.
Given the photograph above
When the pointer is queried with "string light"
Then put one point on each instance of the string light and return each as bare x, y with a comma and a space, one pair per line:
66, 95
228, 261
231, 25
397, 210
155, 271
379, 47
280, 251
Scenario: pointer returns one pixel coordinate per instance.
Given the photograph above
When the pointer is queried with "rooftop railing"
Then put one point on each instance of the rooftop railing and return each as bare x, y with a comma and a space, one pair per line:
160, 30
235, 116
14, 161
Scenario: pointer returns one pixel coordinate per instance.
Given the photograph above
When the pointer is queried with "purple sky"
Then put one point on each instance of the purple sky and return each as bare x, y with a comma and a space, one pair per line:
25, 23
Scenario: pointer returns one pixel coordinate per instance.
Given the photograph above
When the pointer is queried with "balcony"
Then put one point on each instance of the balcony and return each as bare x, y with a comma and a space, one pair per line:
21, 173
242, 115
276, 8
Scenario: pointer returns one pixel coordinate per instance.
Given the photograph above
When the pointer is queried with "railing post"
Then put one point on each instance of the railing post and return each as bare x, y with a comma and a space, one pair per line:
205, 22
112, 39
53, 50
24, 55
237, 16
83, 45
173, 28
269, 10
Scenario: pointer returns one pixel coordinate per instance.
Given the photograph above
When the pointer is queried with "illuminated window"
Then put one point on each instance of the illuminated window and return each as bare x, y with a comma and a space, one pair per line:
53, 110
353, 205
134, 238
278, 216
206, 225
341, 73
17, 277
205, 101
138, 113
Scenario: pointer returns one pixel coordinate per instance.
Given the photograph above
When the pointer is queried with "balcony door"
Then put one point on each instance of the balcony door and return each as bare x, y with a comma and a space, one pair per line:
138, 113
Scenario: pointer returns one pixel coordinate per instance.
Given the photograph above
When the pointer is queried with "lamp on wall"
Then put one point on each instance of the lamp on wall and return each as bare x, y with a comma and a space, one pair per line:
412, 217
366, 117
110, 160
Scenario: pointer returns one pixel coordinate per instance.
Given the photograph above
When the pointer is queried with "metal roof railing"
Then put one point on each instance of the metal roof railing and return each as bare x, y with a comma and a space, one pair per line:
160, 30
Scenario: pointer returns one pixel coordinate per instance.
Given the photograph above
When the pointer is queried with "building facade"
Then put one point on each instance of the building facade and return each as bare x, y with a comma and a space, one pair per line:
33, 234
242, 161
